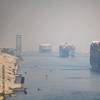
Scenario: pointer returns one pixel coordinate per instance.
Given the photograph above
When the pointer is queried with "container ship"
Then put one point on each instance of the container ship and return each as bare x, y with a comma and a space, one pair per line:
45, 48
95, 56
66, 50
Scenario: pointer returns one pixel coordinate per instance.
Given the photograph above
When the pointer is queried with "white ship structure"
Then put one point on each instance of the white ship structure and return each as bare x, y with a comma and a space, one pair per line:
45, 48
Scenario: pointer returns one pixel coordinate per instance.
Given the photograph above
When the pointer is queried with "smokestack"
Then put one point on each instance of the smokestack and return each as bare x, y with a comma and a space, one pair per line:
19, 45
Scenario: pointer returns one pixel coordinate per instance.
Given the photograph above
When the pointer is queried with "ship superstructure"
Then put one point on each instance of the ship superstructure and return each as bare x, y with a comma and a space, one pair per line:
45, 48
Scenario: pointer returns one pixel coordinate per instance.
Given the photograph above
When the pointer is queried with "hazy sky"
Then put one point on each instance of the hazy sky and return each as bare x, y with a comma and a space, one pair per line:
52, 21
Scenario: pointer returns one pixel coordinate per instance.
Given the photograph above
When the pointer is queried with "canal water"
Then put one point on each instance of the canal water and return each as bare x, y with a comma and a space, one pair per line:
49, 77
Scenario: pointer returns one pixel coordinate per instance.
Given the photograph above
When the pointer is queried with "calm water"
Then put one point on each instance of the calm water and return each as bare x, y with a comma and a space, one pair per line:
50, 77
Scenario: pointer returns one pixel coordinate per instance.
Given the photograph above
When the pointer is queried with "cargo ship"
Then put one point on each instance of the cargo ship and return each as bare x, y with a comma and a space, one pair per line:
66, 50
95, 56
45, 48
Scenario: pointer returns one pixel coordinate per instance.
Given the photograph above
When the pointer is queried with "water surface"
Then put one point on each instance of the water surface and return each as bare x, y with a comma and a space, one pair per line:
50, 77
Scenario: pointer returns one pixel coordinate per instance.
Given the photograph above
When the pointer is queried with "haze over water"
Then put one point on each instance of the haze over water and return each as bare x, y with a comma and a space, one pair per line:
50, 77
50, 21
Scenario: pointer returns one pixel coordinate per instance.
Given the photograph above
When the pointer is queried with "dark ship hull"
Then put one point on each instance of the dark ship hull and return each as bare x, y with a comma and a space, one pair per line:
95, 56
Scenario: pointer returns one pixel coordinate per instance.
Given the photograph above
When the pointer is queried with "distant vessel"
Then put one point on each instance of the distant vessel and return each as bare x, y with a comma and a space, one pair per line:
66, 50
95, 56
45, 48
